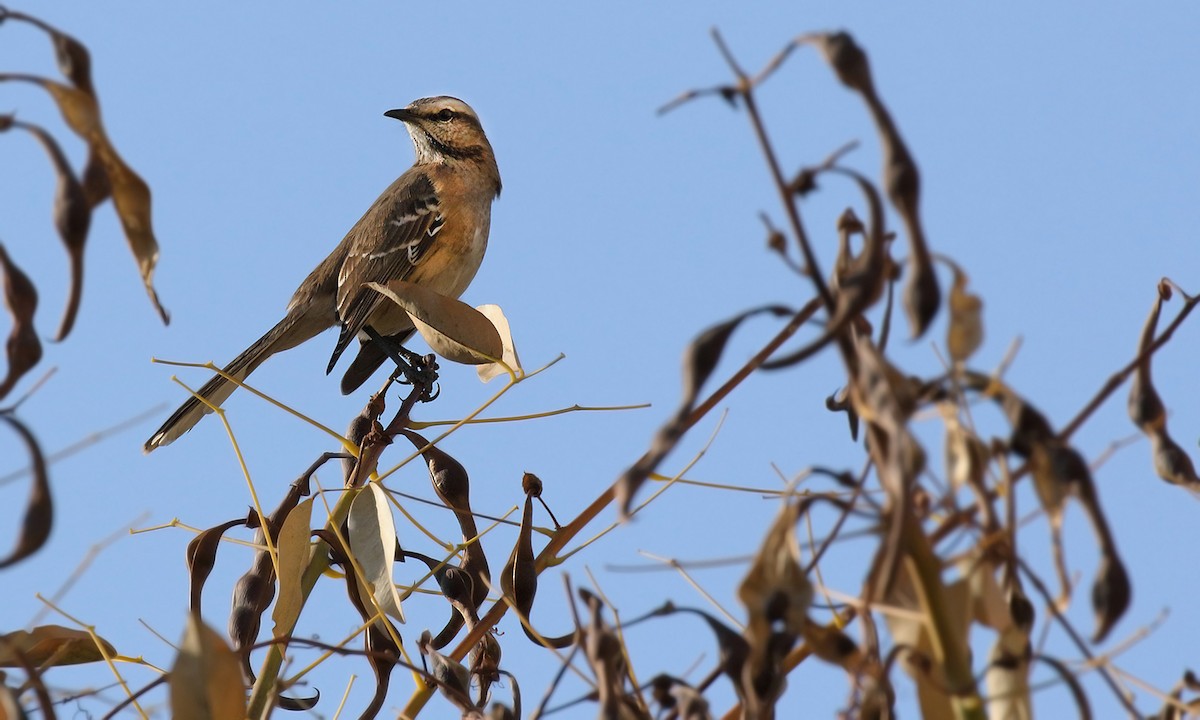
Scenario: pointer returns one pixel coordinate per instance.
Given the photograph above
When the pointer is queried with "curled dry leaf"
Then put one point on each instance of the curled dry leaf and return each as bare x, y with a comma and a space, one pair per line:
24, 348
454, 330
372, 537
496, 316
39, 509
130, 193
52, 646
205, 680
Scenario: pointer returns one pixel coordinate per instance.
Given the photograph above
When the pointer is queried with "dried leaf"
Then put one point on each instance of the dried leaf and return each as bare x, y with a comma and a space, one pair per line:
52, 646
206, 682
39, 509
24, 348
496, 316
130, 194
966, 454
373, 541
965, 333
454, 330
833, 646
775, 591
294, 551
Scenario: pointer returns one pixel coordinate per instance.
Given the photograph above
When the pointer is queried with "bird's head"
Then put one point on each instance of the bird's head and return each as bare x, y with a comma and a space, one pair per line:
446, 130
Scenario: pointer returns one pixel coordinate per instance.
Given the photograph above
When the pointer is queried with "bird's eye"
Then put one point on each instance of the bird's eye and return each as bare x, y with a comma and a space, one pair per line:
445, 115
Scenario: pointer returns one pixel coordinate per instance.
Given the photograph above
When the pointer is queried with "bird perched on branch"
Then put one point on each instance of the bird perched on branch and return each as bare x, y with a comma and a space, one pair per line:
429, 227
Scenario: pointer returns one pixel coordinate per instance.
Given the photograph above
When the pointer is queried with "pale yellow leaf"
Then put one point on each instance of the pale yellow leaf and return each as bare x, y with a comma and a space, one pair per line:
206, 680
454, 330
293, 544
373, 542
51, 645
496, 316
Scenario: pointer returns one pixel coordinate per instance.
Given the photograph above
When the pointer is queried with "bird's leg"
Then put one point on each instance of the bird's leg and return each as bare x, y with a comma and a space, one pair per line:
411, 368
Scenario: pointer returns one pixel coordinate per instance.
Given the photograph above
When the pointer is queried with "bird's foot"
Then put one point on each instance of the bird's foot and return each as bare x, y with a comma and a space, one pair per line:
420, 371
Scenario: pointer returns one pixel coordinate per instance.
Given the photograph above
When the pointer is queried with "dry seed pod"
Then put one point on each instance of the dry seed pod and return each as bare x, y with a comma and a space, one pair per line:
775, 591
383, 654
485, 664
1145, 406
1111, 593
453, 487
24, 347
457, 586
519, 580
74, 61
39, 509
1171, 462
732, 648
202, 557
450, 479
72, 218
452, 678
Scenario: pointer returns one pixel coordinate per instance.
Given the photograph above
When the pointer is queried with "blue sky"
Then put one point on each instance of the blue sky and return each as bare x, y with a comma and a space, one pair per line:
1060, 167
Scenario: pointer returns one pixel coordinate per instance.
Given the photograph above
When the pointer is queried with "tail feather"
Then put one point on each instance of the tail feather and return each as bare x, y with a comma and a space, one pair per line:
287, 334
369, 359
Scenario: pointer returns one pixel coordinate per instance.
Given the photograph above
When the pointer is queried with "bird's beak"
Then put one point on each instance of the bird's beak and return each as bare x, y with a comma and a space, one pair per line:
402, 114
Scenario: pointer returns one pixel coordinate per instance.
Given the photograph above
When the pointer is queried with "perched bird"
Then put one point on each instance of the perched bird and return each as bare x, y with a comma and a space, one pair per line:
429, 227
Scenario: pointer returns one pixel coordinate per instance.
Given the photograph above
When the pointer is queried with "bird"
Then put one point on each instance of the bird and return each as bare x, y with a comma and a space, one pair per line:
429, 227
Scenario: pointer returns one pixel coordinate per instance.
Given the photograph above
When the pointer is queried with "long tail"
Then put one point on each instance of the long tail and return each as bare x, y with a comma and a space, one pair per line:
290, 332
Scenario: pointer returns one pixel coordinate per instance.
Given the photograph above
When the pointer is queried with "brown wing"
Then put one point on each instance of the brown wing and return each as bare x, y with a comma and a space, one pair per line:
394, 235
